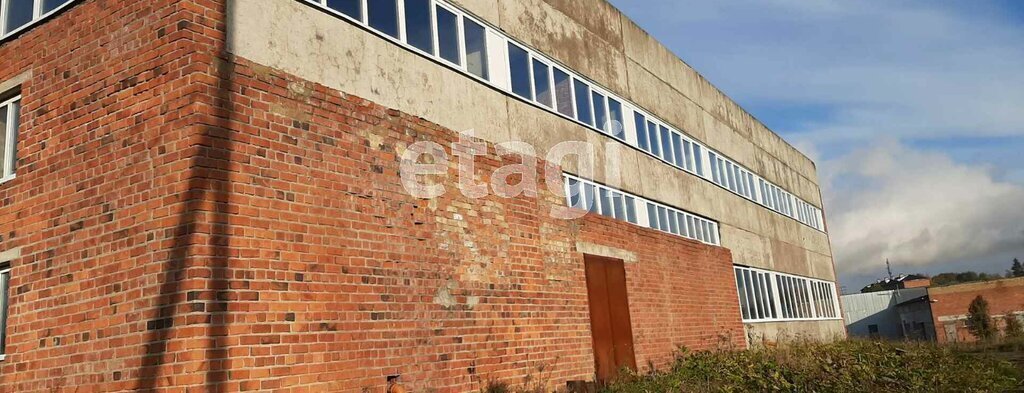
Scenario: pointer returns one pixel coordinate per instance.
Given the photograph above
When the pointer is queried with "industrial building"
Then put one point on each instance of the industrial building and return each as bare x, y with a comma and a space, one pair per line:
211, 195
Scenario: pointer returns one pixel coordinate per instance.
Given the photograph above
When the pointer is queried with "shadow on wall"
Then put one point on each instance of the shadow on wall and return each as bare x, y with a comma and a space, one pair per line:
201, 233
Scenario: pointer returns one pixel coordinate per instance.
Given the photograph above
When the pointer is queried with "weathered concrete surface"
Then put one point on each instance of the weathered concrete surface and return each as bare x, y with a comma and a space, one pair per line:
779, 332
593, 38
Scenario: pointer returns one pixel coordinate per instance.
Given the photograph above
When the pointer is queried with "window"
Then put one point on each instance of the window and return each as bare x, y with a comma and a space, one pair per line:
352, 8
383, 16
563, 93
770, 296
10, 111
583, 110
519, 66
615, 117
419, 28
600, 113
666, 144
652, 136
476, 48
677, 146
542, 83
448, 36
5, 282
17, 13
641, 131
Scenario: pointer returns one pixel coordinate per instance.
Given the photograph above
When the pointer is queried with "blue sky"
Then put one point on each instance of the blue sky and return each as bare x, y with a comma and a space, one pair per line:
913, 111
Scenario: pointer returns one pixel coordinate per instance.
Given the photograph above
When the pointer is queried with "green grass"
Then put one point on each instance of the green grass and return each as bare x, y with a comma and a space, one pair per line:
845, 366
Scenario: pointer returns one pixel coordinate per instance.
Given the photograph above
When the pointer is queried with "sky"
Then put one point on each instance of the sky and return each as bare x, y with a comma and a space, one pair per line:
912, 110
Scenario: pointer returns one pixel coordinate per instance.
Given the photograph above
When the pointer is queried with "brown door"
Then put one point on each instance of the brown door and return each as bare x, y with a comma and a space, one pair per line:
609, 316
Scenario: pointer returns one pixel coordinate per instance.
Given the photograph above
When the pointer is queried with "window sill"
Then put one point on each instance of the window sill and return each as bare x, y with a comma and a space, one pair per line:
3, 180
36, 21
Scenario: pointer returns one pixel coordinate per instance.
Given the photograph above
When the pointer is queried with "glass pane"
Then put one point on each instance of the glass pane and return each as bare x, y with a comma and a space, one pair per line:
652, 216
663, 218
606, 204
673, 222
5, 280
542, 83
448, 36
714, 169
383, 16
741, 289
574, 194
563, 93
519, 66
3, 141
19, 13
476, 49
12, 157
771, 297
583, 112
419, 29
50, 5
697, 159
615, 116
352, 8
631, 209
666, 144
691, 231
677, 146
755, 282
688, 150
652, 136
591, 196
620, 208
641, 130
600, 114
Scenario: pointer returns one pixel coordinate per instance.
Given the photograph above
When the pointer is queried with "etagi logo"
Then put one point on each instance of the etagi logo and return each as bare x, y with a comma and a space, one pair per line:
424, 169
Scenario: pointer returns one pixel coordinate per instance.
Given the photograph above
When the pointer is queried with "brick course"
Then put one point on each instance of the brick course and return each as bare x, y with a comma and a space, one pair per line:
189, 221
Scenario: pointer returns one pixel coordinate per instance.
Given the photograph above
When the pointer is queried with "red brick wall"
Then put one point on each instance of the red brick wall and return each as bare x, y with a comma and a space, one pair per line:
1004, 296
190, 220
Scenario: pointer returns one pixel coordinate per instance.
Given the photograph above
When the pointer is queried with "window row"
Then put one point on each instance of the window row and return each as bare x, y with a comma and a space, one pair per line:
667, 144
439, 30
16, 14
535, 79
9, 113
808, 214
587, 195
429, 26
769, 296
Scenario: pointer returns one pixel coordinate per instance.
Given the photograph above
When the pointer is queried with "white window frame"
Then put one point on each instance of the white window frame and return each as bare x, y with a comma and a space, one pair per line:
37, 15
801, 303
9, 144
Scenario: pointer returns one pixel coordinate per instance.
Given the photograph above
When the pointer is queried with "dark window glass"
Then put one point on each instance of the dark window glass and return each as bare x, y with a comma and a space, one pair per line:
690, 230
741, 288
3, 141
583, 110
476, 49
620, 209
666, 144
591, 196
5, 281
19, 13
615, 116
383, 16
418, 26
574, 193
606, 204
652, 216
714, 168
663, 218
448, 36
652, 133
697, 159
641, 131
631, 209
673, 222
771, 298
677, 144
600, 114
50, 5
688, 150
353, 8
519, 66
563, 93
542, 83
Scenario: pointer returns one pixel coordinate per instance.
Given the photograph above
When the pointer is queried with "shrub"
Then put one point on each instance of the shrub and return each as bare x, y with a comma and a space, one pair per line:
1013, 328
846, 366
978, 320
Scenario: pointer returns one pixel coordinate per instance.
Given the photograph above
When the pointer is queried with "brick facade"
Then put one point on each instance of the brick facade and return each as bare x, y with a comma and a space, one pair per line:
950, 305
190, 219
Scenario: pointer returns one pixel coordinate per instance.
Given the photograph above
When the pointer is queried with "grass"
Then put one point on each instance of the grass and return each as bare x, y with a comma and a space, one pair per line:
844, 366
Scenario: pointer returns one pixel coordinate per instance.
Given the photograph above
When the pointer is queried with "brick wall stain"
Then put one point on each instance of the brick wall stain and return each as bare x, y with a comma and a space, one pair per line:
192, 222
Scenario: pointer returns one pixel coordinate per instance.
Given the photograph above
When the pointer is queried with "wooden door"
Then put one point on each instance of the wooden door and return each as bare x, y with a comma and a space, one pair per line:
609, 316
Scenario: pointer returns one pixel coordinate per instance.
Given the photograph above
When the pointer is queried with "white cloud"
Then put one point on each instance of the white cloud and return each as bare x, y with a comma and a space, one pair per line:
917, 208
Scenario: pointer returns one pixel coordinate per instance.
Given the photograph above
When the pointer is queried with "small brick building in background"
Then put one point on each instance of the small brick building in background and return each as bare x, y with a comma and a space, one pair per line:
950, 304
185, 219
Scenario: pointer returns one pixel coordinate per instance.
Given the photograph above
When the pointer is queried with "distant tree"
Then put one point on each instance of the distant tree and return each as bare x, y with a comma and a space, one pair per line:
979, 322
1017, 269
1012, 327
